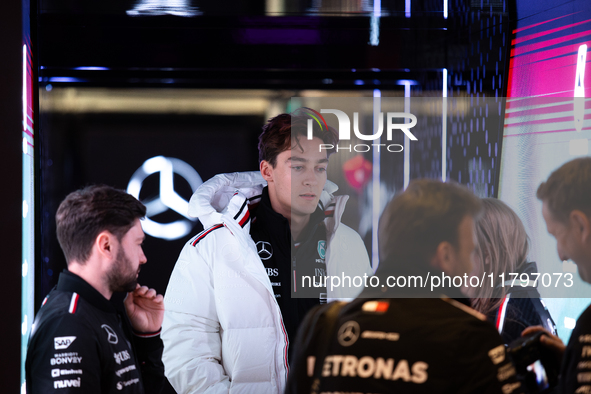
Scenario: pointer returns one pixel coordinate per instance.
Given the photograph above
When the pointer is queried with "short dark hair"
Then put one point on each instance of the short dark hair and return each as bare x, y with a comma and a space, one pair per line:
280, 131
85, 213
427, 213
568, 188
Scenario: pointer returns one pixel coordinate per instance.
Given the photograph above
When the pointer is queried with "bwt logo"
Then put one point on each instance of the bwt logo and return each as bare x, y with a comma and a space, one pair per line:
345, 129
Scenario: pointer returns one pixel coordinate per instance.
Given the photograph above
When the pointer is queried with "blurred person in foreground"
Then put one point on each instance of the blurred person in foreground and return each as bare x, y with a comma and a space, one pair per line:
426, 342
502, 248
81, 342
230, 315
566, 207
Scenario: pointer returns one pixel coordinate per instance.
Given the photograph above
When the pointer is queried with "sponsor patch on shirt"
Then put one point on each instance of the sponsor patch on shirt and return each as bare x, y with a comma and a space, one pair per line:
510, 387
111, 335
505, 372
125, 370
121, 356
376, 368
65, 358
497, 355
63, 372
63, 384
63, 342
322, 249
390, 336
121, 385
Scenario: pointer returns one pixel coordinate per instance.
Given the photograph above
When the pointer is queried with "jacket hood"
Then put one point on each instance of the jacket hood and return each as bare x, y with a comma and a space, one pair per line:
225, 194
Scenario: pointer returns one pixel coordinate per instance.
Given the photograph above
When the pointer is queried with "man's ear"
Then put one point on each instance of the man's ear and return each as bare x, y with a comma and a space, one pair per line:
104, 244
444, 257
266, 170
581, 225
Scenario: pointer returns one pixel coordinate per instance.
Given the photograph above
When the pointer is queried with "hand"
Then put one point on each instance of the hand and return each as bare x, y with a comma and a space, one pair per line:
145, 309
549, 340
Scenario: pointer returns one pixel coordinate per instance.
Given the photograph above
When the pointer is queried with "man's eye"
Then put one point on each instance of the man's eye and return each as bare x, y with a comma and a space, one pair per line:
297, 168
321, 169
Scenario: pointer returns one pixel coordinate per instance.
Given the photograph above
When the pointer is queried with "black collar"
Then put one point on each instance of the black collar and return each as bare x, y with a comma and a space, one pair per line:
265, 215
276, 223
71, 282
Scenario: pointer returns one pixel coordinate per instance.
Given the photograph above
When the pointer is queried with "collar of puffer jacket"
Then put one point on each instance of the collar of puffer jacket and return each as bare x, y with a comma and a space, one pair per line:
227, 195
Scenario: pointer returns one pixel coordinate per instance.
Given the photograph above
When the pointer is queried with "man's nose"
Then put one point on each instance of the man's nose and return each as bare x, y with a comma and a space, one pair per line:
310, 178
143, 258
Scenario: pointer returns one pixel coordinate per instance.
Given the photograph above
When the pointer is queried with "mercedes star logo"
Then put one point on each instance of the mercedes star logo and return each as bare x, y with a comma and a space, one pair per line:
348, 333
168, 198
265, 250
111, 336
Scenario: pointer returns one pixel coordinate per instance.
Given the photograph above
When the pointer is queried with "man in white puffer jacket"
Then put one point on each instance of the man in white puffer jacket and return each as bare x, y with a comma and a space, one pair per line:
229, 311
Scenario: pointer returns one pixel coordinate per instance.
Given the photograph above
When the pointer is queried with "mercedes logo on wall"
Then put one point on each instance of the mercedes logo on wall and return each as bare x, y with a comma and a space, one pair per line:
168, 198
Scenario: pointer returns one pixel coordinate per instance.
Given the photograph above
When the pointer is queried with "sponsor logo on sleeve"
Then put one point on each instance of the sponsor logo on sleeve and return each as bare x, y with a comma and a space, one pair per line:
497, 355
510, 387
125, 370
62, 372
265, 250
121, 385
349, 333
505, 372
63, 342
272, 271
65, 358
322, 249
62, 384
121, 356
389, 336
111, 335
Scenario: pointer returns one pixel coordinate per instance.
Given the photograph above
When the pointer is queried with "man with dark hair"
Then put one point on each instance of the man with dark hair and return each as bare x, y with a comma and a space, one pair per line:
230, 313
80, 341
425, 342
566, 207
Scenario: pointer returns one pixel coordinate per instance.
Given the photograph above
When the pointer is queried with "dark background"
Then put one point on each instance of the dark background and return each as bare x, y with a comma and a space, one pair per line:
231, 46
10, 198
108, 149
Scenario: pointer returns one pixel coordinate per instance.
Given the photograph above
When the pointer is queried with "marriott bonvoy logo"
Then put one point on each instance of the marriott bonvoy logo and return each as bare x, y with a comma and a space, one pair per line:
345, 129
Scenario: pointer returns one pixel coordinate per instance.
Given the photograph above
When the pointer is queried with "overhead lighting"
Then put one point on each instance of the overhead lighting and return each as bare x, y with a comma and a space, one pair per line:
163, 7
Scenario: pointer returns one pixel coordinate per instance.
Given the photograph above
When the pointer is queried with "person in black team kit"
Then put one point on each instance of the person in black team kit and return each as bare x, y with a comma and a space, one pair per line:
426, 342
566, 207
81, 342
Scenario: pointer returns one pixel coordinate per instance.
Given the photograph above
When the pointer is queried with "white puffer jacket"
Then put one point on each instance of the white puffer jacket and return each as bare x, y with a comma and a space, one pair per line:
223, 331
